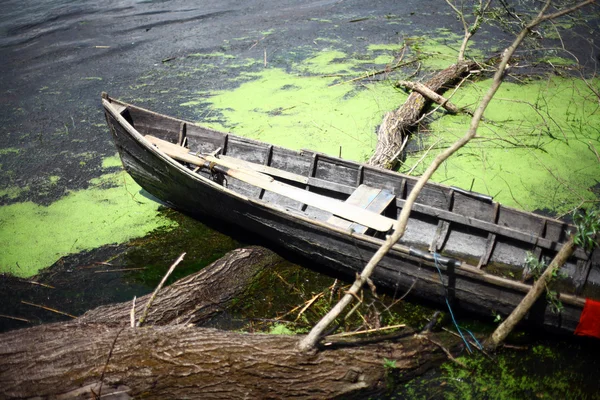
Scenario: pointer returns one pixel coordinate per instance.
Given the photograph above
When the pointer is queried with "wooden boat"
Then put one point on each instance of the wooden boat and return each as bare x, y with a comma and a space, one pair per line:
335, 212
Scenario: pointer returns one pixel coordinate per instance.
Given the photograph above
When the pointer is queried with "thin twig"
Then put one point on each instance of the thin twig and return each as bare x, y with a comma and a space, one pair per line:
332, 290
353, 310
40, 284
48, 308
468, 31
308, 304
593, 149
423, 157
15, 318
160, 285
561, 12
132, 313
385, 328
119, 270
372, 74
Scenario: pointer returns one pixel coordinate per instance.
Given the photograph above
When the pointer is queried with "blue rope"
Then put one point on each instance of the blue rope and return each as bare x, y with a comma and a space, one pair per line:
435, 258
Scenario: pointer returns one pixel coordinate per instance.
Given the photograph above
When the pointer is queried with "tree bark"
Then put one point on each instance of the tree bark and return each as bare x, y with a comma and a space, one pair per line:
398, 124
73, 359
197, 297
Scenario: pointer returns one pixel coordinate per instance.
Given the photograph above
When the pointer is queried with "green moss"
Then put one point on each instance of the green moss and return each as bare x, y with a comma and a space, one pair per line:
246, 62
53, 179
157, 250
92, 78
438, 54
328, 40
35, 236
509, 375
558, 28
534, 151
383, 59
280, 329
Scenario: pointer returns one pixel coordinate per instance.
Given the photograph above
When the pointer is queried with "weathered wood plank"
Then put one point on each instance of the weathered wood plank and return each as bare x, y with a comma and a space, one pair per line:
491, 240
265, 169
120, 108
443, 228
290, 161
372, 199
526, 237
182, 134
335, 172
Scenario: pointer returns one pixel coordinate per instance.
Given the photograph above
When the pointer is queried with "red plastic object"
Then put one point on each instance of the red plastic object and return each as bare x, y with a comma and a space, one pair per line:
589, 322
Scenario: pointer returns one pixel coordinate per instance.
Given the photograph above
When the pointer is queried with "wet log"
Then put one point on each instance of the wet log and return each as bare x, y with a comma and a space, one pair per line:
398, 124
99, 355
88, 360
198, 297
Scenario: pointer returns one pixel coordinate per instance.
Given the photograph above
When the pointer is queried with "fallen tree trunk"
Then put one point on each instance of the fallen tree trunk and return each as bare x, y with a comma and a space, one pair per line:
195, 298
398, 124
100, 354
79, 359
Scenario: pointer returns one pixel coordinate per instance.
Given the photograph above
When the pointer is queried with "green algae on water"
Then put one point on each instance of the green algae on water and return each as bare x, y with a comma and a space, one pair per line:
110, 162
298, 110
35, 236
535, 149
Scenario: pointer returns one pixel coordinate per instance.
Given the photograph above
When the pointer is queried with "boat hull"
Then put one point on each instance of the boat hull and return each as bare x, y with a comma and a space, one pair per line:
467, 288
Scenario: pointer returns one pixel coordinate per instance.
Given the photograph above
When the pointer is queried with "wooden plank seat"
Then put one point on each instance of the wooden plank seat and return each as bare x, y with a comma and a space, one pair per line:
367, 197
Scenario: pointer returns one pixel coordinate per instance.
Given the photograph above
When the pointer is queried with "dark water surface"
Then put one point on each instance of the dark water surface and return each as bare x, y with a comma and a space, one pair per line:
56, 57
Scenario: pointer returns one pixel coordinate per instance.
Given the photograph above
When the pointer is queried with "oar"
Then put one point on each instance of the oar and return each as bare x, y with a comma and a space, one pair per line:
336, 207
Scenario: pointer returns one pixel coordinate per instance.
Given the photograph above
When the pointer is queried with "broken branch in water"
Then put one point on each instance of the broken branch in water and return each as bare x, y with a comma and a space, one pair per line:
385, 328
15, 318
433, 96
40, 284
48, 308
